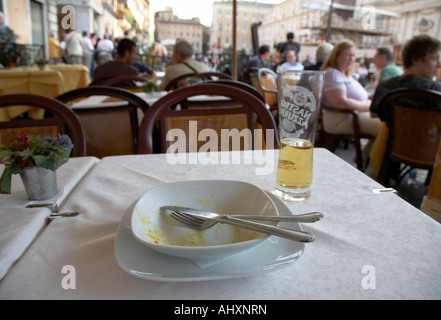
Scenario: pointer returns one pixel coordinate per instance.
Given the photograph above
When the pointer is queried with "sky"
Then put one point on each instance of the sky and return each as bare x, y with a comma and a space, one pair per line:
192, 8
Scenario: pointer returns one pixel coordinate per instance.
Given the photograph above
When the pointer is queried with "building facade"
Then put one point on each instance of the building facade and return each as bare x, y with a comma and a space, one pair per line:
33, 20
169, 27
369, 23
222, 26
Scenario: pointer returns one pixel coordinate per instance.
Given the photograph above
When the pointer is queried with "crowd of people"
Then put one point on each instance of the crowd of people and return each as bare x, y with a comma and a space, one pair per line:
346, 81
76, 48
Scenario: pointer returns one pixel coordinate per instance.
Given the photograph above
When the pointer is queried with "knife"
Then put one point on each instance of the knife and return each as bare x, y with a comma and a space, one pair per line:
212, 218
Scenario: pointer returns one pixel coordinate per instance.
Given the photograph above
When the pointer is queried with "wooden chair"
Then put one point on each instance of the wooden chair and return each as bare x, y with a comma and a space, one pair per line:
125, 82
250, 114
111, 130
174, 84
58, 119
267, 80
331, 140
414, 130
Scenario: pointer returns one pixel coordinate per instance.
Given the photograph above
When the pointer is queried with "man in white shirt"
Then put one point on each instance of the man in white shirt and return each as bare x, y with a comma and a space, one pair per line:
74, 47
105, 48
88, 50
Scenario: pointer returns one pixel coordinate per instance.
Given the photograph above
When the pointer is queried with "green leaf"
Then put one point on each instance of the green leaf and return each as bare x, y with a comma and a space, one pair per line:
5, 182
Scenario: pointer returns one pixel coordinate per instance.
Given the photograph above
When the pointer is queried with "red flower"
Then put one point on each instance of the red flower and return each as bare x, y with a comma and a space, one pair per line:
22, 142
23, 163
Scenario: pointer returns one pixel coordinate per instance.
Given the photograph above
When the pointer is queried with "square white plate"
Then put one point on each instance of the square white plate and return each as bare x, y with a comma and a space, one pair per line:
140, 261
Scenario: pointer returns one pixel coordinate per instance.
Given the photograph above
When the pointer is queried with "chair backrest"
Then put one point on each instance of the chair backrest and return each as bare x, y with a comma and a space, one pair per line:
176, 82
111, 130
414, 130
60, 120
249, 113
268, 83
125, 82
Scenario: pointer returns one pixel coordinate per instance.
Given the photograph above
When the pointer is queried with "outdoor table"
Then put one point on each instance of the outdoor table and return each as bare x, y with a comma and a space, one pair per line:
369, 245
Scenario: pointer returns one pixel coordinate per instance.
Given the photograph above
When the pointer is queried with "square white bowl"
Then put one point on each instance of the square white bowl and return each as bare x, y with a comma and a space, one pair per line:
162, 233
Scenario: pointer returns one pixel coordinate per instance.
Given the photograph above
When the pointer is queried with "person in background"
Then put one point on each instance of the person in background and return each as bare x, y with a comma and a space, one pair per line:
342, 91
291, 61
93, 39
105, 49
307, 62
321, 55
260, 60
182, 63
63, 48
363, 74
74, 47
121, 66
88, 50
384, 63
283, 47
54, 49
160, 51
421, 59
4, 29
145, 69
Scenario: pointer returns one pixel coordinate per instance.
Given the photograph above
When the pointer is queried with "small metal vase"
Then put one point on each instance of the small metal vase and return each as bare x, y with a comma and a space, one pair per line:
39, 183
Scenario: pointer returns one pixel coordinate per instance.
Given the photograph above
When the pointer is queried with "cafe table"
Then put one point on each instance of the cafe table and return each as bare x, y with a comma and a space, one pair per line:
100, 101
369, 245
75, 75
20, 226
29, 80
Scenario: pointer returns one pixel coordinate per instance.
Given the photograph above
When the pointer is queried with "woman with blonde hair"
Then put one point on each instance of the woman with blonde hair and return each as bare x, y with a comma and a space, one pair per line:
342, 91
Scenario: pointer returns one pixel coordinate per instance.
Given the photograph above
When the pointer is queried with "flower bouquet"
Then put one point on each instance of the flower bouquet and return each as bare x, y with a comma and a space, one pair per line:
32, 151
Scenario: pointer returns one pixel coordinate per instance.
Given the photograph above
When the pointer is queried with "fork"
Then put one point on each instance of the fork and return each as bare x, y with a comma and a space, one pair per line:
201, 223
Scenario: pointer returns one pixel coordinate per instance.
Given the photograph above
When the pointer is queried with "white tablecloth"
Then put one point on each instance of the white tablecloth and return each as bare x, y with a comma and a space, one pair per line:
100, 101
19, 226
368, 246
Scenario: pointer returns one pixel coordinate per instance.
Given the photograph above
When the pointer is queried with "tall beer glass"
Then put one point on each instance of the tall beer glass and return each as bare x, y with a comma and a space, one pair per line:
299, 94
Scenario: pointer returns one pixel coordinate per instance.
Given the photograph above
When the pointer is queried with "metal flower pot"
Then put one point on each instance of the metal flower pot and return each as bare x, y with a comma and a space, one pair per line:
39, 183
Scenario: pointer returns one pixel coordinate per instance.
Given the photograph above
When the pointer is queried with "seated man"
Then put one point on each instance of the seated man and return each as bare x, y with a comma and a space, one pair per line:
261, 60
182, 63
383, 61
421, 60
292, 62
121, 66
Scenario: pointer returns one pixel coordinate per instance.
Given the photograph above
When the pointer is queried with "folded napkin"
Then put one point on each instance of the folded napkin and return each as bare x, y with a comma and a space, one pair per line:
18, 229
20, 226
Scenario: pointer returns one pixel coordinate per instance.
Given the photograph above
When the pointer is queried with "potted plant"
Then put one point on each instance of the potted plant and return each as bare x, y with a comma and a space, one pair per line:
10, 51
36, 159
150, 86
